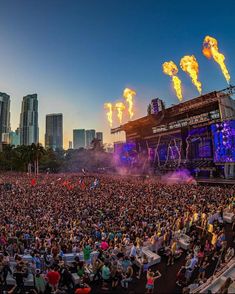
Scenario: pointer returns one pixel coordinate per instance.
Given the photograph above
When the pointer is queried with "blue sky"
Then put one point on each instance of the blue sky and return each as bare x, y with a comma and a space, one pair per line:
79, 54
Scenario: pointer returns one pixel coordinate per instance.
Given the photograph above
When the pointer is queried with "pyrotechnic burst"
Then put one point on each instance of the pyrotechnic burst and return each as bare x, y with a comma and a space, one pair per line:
189, 64
129, 95
170, 69
109, 113
120, 107
210, 49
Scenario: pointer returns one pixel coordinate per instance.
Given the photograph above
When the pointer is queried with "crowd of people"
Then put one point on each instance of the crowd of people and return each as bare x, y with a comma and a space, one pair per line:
58, 214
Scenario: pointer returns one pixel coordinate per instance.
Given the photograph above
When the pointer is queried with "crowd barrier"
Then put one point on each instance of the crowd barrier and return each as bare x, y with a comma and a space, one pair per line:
29, 281
214, 283
228, 217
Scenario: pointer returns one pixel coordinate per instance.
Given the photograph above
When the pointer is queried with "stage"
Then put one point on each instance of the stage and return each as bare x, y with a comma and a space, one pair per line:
215, 181
196, 135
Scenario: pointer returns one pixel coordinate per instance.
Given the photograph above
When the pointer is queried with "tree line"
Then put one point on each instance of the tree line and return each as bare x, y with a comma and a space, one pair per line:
35, 158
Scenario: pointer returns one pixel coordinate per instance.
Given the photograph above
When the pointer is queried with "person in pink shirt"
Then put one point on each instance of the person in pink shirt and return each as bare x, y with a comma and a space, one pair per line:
104, 245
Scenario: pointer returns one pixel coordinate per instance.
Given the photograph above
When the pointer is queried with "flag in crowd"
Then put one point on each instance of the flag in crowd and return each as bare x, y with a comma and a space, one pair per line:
33, 182
94, 184
69, 185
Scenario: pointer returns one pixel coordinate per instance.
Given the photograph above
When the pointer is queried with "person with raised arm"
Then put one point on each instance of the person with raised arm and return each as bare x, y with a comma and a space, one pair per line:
151, 277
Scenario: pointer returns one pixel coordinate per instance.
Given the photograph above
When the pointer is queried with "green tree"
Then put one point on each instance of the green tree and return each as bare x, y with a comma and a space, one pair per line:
8, 153
36, 152
97, 145
51, 160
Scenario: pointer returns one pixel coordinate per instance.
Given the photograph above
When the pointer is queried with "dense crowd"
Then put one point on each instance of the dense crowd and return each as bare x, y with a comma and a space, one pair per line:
58, 214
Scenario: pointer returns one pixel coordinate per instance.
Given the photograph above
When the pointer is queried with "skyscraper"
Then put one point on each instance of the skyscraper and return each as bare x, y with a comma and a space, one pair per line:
54, 131
4, 114
99, 136
90, 135
29, 131
79, 139
6, 138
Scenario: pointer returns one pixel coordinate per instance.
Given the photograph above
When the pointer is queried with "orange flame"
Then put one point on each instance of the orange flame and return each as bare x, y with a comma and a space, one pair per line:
170, 69
189, 64
109, 114
207, 53
120, 108
129, 95
210, 48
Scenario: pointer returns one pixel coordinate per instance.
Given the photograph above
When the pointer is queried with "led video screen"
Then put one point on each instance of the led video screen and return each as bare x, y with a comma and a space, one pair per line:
224, 141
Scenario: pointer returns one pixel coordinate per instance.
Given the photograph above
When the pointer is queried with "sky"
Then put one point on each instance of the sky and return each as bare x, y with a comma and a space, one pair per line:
77, 55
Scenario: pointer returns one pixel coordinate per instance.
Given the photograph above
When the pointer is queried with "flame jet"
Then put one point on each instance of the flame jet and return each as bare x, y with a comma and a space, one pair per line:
109, 113
210, 49
129, 95
170, 69
120, 108
189, 65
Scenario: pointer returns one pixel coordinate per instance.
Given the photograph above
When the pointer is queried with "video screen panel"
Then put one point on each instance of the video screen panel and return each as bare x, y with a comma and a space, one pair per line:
224, 141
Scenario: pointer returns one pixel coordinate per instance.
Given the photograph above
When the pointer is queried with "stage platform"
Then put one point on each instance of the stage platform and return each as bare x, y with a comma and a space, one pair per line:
215, 181
200, 181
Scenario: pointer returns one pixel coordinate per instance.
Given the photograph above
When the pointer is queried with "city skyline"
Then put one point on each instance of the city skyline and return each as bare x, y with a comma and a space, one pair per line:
77, 64
8, 129
28, 131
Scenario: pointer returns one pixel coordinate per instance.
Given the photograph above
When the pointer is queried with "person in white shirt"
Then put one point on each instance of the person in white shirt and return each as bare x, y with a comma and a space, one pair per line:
133, 253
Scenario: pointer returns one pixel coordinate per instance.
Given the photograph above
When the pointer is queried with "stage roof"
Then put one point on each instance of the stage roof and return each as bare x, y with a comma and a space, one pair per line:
195, 106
